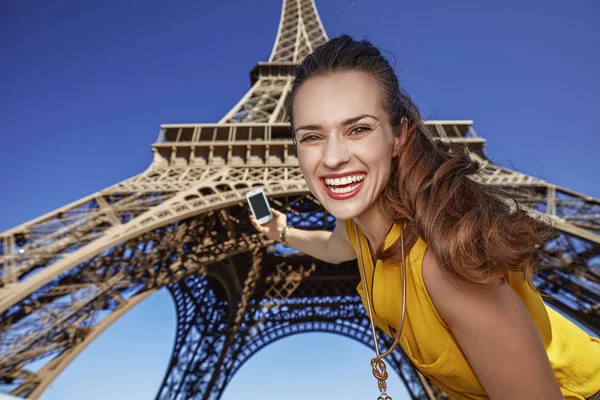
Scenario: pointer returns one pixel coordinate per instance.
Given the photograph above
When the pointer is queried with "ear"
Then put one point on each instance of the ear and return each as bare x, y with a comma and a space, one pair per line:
400, 136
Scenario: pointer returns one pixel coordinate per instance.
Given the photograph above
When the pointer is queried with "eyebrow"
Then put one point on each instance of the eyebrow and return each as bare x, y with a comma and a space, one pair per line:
346, 122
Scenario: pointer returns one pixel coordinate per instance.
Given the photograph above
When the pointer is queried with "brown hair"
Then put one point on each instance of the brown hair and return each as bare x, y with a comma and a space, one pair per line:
477, 232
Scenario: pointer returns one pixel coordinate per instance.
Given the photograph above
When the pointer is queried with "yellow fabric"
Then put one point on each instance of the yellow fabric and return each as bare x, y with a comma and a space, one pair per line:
428, 342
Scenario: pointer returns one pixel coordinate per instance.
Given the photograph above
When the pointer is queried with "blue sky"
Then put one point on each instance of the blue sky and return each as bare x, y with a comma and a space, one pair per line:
86, 85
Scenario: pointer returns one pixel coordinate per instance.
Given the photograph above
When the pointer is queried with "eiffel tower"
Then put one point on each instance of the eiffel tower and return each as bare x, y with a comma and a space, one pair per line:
183, 225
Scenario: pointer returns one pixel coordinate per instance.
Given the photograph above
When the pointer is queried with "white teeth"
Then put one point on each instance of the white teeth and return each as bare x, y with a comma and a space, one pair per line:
344, 189
345, 180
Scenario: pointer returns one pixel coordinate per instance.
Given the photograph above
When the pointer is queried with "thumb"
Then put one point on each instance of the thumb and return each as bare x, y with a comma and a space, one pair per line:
275, 212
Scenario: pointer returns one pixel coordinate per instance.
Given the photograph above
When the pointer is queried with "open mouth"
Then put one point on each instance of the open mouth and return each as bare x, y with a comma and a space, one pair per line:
344, 187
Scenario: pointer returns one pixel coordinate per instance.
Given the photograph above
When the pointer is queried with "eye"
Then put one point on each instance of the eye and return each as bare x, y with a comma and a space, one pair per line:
309, 138
359, 130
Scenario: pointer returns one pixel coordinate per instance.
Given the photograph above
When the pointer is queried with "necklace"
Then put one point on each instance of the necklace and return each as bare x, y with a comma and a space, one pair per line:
377, 363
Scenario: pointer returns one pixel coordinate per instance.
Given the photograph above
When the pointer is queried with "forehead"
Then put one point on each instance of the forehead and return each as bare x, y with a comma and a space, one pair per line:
333, 98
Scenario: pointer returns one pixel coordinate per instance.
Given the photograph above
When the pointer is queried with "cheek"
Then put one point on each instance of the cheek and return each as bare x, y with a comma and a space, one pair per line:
377, 154
308, 159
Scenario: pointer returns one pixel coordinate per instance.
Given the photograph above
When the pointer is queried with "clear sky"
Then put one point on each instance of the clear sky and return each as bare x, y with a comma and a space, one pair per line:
84, 87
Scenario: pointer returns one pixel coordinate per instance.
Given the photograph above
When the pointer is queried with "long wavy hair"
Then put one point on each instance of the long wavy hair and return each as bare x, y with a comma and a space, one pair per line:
477, 232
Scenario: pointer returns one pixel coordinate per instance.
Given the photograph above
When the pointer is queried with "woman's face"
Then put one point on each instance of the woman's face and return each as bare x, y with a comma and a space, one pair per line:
344, 140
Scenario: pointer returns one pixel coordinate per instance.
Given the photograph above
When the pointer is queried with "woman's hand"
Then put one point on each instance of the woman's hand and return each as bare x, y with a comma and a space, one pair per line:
272, 228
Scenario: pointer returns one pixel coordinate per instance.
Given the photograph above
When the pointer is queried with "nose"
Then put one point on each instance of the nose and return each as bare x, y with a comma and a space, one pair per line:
335, 152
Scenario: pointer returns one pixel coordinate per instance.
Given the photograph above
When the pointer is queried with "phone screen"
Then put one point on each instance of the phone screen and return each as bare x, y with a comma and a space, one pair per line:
259, 205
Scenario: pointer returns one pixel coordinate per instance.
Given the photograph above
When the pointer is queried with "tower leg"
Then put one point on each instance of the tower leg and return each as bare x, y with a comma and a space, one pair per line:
196, 366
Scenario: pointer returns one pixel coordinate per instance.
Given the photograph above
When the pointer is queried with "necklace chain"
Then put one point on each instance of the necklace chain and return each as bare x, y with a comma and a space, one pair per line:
377, 363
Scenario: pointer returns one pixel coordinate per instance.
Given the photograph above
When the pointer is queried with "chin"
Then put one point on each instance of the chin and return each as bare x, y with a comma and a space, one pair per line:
343, 210
340, 209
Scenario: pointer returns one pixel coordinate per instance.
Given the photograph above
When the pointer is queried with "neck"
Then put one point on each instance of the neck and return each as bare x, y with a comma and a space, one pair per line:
375, 225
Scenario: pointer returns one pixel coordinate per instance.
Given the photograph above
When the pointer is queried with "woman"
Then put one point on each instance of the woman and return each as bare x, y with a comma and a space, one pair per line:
474, 323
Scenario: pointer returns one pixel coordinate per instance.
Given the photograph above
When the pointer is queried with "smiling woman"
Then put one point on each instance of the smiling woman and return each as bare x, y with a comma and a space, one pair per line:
464, 310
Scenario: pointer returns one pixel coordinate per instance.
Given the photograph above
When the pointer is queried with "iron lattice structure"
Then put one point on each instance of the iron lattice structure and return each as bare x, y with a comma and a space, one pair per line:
183, 224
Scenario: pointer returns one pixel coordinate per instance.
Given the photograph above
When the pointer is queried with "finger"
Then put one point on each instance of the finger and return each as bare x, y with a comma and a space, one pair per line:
256, 225
275, 212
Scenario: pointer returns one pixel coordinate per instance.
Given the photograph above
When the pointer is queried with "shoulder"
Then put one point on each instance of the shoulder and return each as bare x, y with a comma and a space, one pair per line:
456, 299
344, 229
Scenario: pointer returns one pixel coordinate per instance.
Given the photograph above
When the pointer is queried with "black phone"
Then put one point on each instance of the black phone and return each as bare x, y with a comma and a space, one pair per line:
259, 205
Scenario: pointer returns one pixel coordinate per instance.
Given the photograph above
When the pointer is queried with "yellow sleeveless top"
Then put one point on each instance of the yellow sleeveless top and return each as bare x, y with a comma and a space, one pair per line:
428, 342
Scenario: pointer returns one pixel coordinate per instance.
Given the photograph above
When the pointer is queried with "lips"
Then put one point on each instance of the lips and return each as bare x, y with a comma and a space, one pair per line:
343, 186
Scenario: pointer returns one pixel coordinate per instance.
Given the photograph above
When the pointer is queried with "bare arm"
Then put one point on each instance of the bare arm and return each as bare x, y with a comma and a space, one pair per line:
496, 334
332, 247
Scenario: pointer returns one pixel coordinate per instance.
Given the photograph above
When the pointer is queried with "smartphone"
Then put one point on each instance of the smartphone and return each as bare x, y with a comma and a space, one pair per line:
257, 199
